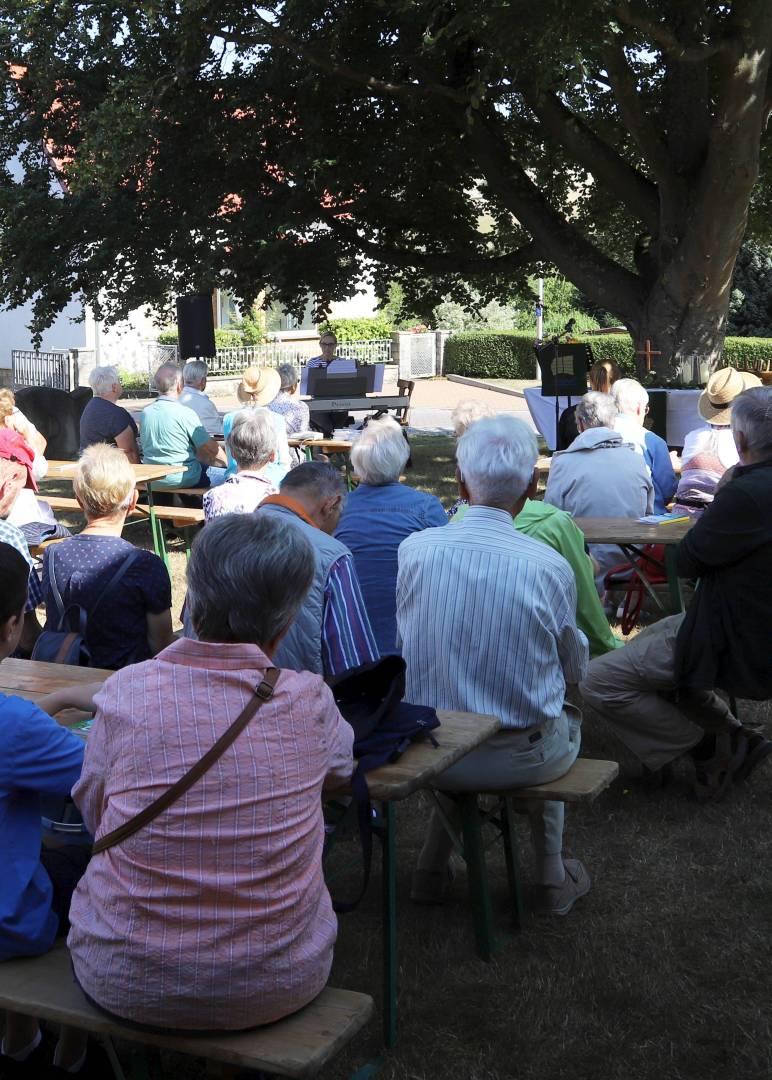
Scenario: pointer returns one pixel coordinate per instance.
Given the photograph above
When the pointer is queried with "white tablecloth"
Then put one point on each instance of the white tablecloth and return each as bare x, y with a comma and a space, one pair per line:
682, 415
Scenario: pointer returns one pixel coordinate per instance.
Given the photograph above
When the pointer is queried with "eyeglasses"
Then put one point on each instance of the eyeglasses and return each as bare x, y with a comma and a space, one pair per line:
328, 344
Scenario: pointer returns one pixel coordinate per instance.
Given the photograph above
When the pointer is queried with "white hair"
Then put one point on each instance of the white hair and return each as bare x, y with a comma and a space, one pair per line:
102, 379
752, 415
496, 457
194, 371
289, 375
629, 396
380, 453
596, 410
466, 413
252, 438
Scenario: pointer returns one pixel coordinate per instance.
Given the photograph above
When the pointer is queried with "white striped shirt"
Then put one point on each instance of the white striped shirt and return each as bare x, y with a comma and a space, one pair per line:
486, 618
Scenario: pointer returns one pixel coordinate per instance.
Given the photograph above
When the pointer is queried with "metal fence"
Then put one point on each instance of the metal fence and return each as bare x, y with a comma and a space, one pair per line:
29, 368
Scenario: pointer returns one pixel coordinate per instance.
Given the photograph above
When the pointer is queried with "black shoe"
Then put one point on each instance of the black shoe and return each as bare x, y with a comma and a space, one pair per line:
759, 748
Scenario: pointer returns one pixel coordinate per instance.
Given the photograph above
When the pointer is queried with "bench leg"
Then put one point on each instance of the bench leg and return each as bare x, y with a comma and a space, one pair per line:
389, 886
474, 857
511, 857
674, 582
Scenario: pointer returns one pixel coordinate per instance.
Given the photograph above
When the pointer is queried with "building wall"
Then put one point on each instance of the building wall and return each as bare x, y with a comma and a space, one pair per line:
64, 334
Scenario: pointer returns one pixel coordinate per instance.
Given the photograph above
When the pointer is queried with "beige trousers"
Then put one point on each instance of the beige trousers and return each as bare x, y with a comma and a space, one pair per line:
634, 690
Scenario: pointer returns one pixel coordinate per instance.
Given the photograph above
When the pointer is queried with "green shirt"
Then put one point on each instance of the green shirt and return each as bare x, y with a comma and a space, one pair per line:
556, 528
170, 434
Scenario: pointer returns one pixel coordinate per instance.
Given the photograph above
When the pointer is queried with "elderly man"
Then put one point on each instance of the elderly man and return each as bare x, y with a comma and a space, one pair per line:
600, 475
194, 377
332, 631
632, 401
486, 622
104, 421
172, 434
658, 691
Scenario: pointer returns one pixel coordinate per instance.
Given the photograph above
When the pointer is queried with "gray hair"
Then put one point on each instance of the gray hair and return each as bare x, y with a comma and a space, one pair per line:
167, 378
252, 439
194, 371
496, 457
324, 479
466, 413
596, 410
629, 396
752, 415
380, 453
102, 379
289, 375
247, 576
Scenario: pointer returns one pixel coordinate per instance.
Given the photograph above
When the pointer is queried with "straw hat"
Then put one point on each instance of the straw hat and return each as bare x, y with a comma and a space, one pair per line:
724, 385
263, 383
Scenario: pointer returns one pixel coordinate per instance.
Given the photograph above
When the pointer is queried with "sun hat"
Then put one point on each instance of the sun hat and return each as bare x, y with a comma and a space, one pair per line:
263, 383
724, 385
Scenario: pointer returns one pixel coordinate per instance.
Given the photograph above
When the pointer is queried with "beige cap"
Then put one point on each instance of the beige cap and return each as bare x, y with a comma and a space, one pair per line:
724, 385
260, 384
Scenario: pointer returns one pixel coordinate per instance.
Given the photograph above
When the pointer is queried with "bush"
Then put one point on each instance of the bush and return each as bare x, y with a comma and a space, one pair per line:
358, 329
743, 352
167, 337
134, 380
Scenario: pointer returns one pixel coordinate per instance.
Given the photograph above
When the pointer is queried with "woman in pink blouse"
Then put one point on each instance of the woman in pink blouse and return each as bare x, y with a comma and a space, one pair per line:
215, 915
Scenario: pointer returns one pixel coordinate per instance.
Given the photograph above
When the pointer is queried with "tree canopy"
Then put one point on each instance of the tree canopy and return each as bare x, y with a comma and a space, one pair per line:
454, 145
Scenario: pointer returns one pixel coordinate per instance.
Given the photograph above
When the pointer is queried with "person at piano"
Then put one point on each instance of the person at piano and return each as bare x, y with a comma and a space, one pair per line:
328, 343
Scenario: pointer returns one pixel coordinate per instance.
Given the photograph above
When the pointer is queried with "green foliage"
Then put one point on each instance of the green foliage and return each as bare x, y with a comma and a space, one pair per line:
167, 337
246, 332
743, 352
132, 381
358, 329
394, 310
750, 307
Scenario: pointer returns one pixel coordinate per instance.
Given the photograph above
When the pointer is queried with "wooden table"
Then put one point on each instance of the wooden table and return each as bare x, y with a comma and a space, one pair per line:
33, 679
630, 534
327, 446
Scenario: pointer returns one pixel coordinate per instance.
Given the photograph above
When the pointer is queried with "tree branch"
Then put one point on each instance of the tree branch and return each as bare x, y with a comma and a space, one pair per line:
595, 154
273, 35
662, 36
647, 138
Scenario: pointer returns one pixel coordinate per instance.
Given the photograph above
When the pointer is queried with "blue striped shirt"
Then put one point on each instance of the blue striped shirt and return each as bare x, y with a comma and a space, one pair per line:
347, 637
486, 620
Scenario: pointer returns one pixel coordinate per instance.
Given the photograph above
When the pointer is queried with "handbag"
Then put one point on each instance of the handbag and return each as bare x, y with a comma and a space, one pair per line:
263, 692
67, 643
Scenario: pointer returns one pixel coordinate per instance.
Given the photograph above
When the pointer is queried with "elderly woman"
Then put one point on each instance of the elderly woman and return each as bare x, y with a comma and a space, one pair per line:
252, 445
215, 915
103, 421
257, 389
124, 591
377, 517
12, 417
295, 412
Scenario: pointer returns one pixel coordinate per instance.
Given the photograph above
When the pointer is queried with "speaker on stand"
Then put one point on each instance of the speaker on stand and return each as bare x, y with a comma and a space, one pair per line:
195, 325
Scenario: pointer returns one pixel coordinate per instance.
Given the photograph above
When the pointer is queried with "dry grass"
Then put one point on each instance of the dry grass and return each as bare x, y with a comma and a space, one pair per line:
661, 972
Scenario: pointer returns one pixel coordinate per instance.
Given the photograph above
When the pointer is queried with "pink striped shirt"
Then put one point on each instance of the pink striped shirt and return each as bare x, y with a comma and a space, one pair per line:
215, 915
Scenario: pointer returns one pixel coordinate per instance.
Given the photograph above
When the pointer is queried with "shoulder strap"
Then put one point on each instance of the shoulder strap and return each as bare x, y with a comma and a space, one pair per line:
54, 587
130, 558
263, 692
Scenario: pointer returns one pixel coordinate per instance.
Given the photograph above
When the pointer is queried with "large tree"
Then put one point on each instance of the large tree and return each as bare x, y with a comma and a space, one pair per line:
453, 144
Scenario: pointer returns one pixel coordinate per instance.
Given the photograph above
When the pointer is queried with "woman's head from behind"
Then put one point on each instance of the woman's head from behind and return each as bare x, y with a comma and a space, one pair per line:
467, 413
252, 439
380, 453
104, 483
603, 375
247, 577
7, 405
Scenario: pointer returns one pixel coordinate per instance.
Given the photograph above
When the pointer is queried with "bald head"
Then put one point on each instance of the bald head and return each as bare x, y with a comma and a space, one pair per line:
168, 380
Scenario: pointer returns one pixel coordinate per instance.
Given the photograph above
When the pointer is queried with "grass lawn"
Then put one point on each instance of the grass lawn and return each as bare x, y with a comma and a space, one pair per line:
663, 971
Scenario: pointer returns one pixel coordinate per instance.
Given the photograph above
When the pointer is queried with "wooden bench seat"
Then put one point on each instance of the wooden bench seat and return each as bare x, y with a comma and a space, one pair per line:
300, 1045
583, 782
61, 502
179, 515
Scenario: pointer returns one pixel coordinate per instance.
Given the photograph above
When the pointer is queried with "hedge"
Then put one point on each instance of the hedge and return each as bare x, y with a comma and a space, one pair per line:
509, 354
370, 329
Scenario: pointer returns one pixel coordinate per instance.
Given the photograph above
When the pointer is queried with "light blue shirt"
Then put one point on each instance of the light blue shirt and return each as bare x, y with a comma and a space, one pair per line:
655, 454
486, 620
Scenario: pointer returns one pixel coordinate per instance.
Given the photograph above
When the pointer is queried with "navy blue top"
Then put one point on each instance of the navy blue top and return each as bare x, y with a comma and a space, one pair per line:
102, 420
39, 757
116, 633
374, 522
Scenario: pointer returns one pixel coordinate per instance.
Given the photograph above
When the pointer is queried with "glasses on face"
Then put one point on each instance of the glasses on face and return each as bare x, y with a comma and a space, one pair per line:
328, 344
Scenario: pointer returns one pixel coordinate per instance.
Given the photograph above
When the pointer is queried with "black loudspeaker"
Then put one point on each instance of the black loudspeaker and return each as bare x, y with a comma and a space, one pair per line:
195, 325
656, 420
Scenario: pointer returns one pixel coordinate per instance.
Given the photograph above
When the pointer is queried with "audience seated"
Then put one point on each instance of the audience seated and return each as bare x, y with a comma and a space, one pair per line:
378, 514
40, 757
332, 631
258, 389
600, 475
20, 470
132, 621
252, 445
601, 377
16, 420
464, 414
658, 692
632, 401
709, 450
295, 412
216, 914
104, 421
172, 434
486, 624
194, 375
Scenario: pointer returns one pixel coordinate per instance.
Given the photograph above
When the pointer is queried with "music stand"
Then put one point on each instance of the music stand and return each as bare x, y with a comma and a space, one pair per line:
564, 370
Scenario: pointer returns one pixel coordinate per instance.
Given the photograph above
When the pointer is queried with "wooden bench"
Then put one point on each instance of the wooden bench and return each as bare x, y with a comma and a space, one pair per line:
300, 1045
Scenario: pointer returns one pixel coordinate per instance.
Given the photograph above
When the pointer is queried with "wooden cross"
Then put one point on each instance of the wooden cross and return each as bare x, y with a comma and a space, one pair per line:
648, 352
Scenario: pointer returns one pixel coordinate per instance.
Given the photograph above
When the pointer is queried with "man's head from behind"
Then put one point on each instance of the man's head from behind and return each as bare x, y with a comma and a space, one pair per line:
14, 581
168, 380
752, 424
194, 374
496, 458
317, 487
596, 410
630, 398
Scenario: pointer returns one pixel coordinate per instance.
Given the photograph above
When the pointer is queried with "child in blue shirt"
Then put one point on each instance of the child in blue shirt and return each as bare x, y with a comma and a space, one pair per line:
39, 757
